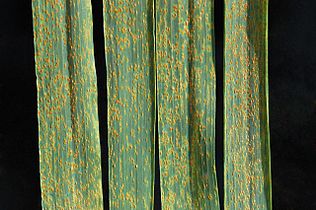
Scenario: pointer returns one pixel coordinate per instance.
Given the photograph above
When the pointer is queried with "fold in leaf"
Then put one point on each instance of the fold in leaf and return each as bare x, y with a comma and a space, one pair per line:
247, 149
128, 29
186, 103
70, 163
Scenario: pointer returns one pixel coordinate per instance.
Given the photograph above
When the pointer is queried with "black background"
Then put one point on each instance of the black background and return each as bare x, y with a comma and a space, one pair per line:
292, 80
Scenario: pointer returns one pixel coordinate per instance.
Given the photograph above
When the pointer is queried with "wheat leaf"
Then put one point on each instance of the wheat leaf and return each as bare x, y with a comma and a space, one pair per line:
247, 176
186, 103
128, 29
70, 164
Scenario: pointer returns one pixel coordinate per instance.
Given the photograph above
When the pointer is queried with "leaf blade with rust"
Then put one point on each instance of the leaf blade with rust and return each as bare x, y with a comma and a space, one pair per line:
247, 175
69, 144
128, 30
186, 103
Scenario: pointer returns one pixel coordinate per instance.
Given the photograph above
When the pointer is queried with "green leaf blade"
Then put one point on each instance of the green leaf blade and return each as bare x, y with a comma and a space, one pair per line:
186, 104
128, 30
69, 144
247, 173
